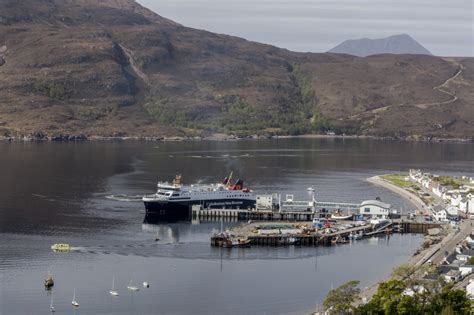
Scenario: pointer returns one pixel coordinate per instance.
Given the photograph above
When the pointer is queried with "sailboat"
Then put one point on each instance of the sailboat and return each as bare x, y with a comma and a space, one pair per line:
132, 287
74, 302
113, 291
51, 307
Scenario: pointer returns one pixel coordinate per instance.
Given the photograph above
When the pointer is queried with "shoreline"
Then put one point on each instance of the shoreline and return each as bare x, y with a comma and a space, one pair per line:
410, 197
422, 255
222, 137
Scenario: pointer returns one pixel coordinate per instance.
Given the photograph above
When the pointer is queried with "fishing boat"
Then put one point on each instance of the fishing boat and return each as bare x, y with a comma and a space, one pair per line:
230, 242
74, 302
339, 240
131, 287
112, 291
60, 247
49, 281
340, 216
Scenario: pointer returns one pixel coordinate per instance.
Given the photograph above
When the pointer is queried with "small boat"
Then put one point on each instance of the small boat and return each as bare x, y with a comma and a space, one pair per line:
339, 240
51, 306
355, 236
146, 284
74, 302
131, 287
229, 243
112, 291
49, 281
310, 189
60, 247
340, 216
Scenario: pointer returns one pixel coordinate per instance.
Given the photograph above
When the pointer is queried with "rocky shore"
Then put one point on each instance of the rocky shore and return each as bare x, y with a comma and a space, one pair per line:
40, 136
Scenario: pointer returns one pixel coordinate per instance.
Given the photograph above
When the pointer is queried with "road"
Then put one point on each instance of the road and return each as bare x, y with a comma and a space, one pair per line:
449, 243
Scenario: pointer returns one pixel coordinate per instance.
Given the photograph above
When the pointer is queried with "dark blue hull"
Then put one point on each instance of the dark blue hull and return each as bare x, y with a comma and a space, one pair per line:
172, 211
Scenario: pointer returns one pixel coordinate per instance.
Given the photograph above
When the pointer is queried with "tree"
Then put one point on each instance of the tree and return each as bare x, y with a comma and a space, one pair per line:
470, 261
409, 292
341, 299
450, 301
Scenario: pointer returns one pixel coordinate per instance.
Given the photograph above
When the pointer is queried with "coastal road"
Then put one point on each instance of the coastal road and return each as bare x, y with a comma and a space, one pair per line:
449, 243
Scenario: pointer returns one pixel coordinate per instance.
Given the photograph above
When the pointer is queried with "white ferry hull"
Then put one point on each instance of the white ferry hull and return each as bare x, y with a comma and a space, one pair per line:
170, 211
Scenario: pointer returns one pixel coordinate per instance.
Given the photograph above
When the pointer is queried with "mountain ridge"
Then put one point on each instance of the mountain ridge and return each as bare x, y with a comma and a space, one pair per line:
395, 44
114, 68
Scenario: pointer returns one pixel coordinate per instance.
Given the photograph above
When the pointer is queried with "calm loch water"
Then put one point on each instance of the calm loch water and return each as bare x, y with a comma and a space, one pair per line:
66, 192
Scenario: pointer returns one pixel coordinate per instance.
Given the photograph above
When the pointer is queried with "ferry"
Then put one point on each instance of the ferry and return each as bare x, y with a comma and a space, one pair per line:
173, 201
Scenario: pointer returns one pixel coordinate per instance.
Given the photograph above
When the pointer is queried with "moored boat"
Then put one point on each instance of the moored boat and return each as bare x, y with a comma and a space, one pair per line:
60, 247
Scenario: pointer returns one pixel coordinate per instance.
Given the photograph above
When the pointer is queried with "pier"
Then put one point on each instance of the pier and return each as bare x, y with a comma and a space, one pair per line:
271, 234
241, 214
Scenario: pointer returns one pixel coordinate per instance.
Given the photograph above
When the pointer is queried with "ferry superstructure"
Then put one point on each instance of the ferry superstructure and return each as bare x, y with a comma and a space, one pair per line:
173, 201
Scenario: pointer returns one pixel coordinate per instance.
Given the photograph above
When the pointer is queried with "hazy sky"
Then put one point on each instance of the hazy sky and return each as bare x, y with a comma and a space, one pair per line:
445, 27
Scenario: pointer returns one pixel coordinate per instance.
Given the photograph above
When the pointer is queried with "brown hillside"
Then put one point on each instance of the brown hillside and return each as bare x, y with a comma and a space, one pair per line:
115, 68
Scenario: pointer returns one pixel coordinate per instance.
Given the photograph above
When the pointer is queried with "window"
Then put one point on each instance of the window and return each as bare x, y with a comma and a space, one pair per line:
366, 210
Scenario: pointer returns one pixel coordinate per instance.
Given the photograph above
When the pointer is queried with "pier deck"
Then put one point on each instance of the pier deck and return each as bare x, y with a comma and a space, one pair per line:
304, 234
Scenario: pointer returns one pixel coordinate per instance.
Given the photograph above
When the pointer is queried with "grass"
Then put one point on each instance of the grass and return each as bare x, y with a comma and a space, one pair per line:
397, 179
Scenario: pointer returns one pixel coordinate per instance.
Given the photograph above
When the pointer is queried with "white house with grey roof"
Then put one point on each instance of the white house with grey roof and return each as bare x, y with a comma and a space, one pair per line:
375, 209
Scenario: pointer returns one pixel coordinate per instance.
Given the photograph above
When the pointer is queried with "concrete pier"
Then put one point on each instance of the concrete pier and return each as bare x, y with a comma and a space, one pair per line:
303, 234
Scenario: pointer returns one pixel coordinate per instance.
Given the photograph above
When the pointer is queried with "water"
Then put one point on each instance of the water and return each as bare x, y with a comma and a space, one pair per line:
74, 193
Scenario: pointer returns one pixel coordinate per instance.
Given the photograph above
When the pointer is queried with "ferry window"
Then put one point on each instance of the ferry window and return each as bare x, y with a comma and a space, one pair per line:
174, 195
366, 209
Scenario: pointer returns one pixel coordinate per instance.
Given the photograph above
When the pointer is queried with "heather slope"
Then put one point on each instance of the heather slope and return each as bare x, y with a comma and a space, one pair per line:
115, 68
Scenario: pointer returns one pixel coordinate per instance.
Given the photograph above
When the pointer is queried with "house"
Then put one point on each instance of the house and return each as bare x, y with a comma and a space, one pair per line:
452, 275
470, 203
470, 289
441, 215
456, 199
465, 254
466, 269
470, 239
452, 212
374, 209
416, 289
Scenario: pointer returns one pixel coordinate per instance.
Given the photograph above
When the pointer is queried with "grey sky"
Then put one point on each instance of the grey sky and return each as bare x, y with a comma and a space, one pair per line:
445, 27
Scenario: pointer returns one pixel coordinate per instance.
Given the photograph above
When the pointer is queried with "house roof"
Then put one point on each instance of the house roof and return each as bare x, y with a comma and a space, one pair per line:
450, 258
453, 272
445, 268
375, 203
468, 252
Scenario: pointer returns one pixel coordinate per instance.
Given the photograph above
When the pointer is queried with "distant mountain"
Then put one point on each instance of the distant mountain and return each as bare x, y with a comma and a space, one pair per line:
397, 44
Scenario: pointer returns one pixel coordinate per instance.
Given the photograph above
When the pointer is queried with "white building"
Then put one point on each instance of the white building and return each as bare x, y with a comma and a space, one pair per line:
441, 215
452, 211
452, 275
465, 270
470, 290
470, 203
265, 202
375, 209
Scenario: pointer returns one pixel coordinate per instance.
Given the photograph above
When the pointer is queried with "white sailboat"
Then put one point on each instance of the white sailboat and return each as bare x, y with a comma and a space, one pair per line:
51, 307
132, 287
113, 291
74, 302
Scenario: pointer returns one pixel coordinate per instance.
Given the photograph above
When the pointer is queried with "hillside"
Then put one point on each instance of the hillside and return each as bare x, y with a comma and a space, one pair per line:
396, 44
114, 68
